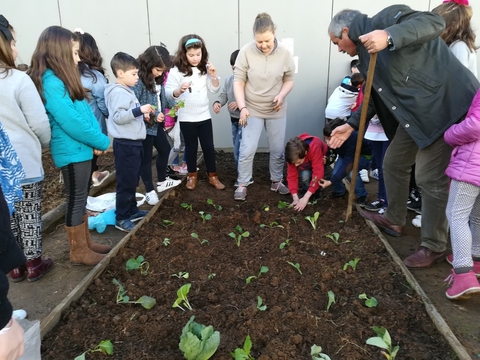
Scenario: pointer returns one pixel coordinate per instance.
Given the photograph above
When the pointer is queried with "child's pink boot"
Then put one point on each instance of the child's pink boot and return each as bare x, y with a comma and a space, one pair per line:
463, 285
476, 265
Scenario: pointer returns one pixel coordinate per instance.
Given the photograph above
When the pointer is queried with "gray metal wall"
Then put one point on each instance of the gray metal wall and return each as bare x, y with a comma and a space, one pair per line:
133, 25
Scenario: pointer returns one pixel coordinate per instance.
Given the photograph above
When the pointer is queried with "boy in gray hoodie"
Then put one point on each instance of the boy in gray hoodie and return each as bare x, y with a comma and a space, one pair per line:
127, 127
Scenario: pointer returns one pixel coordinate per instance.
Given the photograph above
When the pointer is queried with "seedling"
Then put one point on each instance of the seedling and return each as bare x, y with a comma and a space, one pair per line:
260, 305
316, 353
312, 202
243, 354
284, 244
181, 275
294, 219
217, 207
211, 276
204, 241
272, 225
138, 263
263, 270
167, 223
166, 241
204, 216
173, 111
369, 302
182, 297
198, 341
266, 207
146, 301
296, 266
282, 204
105, 347
352, 263
241, 234
187, 206
313, 219
383, 341
333, 236
331, 299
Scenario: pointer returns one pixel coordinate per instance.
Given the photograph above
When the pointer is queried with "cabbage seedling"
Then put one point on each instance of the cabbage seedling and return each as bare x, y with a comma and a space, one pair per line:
181, 275
260, 305
263, 270
313, 219
331, 299
182, 297
167, 223
204, 241
211, 276
241, 234
138, 263
187, 206
204, 216
383, 341
166, 241
296, 266
283, 204
173, 111
352, 263
146, 301
333, 236
316, 353
285, 243
216, 207
369, 302
266, 207
243, 354
272, 225
198, 342
105, 347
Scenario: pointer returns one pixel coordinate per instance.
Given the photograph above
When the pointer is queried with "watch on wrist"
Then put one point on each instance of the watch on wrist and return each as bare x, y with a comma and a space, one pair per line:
389, 41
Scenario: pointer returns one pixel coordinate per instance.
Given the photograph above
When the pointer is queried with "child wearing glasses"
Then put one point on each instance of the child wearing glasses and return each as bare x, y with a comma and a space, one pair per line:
190, 80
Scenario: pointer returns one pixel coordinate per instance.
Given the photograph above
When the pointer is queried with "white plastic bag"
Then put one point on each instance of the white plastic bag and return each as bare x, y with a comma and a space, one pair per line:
32, 340
107, 202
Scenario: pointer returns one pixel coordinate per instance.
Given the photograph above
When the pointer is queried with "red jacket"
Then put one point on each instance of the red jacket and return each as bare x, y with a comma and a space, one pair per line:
313, 160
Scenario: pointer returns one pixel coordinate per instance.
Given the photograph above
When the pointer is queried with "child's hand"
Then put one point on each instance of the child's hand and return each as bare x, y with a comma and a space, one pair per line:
295, 199
98, 152
211, 70
301, 204
324, 183
217, 107
160, 117
146, 110
233, 106
183, 87
352, 106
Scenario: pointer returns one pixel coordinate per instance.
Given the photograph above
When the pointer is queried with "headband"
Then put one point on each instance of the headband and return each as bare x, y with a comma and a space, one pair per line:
193, 41
458, 2
4, 28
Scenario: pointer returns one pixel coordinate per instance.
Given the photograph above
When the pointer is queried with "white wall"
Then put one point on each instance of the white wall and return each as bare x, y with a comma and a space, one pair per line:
133, 25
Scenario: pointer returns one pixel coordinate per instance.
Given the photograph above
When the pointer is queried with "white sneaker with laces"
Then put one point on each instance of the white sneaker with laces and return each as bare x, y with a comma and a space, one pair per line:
167, 184
151, 198
374, 174
364, 175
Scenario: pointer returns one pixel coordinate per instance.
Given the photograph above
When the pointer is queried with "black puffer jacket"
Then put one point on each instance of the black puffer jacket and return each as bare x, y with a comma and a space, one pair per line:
419, 84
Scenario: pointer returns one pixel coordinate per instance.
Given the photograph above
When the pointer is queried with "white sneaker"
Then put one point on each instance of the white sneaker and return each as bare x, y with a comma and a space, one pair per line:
364, 175
151, 198
374, 174
167, 184
417, 222
19, 314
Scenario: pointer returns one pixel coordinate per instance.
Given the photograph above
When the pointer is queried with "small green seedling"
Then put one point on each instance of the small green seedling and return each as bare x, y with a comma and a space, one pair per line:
105, 347
383, 341
204, 241
263, 270
282, 204
333, 236
182, 294
331, 299
243, 354
284, 244
138, 263
296, 266
167, 223
260, 305
166, 241
173, 111
272, 225
240, 234
181, 275
314, 202
146, 301
352, 263
187, 206
217, 207
316, 353
294, 219
211, 276
266, 207
369, 302
205, 217
198, 342
313, 219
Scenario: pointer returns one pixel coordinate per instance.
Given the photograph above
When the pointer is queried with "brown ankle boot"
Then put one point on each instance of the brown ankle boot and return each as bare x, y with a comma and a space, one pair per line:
213, 180
80, 254
191, 180
96, 247
19, 274
38, 267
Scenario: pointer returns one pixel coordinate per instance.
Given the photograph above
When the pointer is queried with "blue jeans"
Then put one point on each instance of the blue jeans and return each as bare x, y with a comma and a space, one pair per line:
305, 177
236, 137
379, 148
339, 187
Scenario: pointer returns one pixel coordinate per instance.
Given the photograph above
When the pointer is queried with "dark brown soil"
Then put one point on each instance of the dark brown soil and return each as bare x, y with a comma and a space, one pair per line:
296, 316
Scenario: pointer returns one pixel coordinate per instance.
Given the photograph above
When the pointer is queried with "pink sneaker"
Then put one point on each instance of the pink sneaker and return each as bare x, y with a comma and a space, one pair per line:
463, 285
476, 265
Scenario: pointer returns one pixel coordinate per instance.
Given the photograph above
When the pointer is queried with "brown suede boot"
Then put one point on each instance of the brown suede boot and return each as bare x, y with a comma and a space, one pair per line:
213, 180
80, 254
98, 248
38, 267
191, 180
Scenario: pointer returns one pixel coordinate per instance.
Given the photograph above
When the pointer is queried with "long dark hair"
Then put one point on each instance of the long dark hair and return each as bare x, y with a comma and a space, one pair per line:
90, 56
154, 56
7, 61
54, 51
180, 59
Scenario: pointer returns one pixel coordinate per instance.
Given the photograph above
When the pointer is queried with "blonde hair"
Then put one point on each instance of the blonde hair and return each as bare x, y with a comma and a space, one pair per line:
263, 22
7, 61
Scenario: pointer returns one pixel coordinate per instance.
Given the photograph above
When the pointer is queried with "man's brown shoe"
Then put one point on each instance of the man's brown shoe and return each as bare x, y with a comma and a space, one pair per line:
382, 222
423, 258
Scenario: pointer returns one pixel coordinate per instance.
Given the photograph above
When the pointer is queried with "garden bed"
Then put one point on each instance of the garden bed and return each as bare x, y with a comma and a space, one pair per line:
296, 316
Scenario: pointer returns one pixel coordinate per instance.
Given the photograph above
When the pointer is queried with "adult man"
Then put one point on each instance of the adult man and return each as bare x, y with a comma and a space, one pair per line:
419, 90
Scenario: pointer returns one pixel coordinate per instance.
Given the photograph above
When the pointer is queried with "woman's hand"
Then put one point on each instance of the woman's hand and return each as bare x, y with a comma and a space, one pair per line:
11, 342
160, 117
244, 115
278, 102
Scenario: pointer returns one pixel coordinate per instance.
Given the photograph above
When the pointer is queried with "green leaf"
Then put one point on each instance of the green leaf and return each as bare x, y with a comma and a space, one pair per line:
220, 208
387, 338
246, 234
194, 235
190, 345
394, 352
140, 259
147, 302
208, 217
378, 342
132, 264
249, 279
247, 345
210, 340
106, 346
263, 270
239, 228
372, 302
315, 350
232, 235
239, 354
380, 331
81, 357
282, 245
363, 296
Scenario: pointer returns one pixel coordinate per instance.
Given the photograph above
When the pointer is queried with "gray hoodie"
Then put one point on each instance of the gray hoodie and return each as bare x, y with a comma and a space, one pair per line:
125, 120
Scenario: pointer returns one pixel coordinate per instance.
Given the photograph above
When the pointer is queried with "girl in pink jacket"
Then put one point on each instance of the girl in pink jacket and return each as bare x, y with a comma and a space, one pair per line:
463, 208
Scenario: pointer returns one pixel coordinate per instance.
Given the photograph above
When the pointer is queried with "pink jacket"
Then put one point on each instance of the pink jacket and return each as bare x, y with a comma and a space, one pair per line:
465, 138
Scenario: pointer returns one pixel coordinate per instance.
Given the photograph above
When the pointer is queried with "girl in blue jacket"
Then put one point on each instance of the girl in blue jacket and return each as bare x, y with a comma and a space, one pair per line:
76, 135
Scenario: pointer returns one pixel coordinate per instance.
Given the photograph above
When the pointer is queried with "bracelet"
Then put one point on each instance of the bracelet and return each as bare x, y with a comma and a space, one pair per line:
243, 108
6, 328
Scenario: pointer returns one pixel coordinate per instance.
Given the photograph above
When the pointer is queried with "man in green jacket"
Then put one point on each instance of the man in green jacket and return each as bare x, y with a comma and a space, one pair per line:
419, 90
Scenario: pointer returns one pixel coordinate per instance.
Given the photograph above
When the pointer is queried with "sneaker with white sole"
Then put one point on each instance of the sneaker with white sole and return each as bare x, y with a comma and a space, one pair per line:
375, 206
139, 215
417, 222
124, 225
250, 182
476, 265
462, 285
364, 175
151, 198
374, 174
279, 187
167, 184
240, 193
